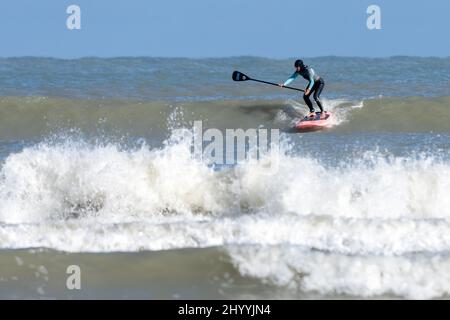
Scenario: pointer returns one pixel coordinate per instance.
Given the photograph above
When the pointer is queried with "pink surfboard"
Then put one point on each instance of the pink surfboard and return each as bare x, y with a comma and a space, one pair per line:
314, 123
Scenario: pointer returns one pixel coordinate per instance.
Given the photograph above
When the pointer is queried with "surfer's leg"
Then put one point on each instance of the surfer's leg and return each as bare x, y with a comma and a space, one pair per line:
308, 102
317, 92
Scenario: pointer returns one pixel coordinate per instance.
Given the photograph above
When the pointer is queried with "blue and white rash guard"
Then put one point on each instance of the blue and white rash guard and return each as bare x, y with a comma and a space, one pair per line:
307, 73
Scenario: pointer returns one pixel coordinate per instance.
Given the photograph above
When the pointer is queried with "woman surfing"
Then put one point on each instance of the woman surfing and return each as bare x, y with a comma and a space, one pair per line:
315, 85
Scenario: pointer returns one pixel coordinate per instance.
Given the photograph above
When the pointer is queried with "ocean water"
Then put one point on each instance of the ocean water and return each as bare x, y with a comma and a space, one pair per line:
97, 170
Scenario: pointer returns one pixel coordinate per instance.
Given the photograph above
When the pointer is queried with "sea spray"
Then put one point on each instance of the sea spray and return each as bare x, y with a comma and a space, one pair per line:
374, 200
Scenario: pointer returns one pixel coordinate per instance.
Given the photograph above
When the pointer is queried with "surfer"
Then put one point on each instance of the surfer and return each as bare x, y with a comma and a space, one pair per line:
315, 86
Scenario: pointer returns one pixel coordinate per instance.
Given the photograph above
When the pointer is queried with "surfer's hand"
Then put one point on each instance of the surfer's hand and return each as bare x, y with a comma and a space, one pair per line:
307, 91
281, 85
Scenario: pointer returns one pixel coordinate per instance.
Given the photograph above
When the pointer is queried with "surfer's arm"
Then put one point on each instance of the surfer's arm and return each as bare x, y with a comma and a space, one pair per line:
291, 78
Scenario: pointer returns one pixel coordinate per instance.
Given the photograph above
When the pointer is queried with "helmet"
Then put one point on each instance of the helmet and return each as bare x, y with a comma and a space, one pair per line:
299, 63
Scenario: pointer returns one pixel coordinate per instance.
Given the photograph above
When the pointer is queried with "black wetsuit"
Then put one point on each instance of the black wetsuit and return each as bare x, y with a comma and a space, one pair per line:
315, 85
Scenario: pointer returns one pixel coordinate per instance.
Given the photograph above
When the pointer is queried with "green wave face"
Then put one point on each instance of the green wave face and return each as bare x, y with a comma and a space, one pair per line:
31, 117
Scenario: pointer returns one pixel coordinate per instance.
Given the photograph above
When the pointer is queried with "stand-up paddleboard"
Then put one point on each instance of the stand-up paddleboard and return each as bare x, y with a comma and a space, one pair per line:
307, 123
314, 123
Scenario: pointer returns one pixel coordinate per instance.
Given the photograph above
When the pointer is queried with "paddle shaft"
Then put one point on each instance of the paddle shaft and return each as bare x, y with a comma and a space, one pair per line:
274, 84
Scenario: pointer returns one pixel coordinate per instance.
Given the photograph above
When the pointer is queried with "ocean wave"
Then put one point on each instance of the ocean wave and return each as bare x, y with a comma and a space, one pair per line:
34, 117
373, 225
413, 114
415, 276
150, 197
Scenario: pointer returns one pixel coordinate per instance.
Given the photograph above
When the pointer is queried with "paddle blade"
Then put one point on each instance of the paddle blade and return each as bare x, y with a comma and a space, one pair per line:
239, 76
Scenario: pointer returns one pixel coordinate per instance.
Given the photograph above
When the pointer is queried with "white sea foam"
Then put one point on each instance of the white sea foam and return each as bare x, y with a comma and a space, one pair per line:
420, 276
340, 108
357, 225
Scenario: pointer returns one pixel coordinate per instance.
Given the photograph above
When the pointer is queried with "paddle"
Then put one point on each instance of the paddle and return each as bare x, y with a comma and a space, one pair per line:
239, 76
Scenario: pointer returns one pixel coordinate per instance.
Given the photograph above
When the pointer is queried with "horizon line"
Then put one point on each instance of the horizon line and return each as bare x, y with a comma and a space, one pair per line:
219, 57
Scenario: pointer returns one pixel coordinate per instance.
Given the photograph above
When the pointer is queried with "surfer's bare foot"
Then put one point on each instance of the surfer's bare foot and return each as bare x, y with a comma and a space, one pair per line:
312, 114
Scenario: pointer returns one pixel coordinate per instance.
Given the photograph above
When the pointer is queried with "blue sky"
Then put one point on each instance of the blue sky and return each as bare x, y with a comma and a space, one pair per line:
220, 28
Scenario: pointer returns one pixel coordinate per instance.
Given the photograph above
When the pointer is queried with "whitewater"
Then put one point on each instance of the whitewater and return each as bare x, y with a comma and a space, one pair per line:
102, 175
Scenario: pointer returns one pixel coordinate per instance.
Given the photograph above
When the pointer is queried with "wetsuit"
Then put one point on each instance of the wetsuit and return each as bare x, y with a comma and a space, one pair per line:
315, 85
